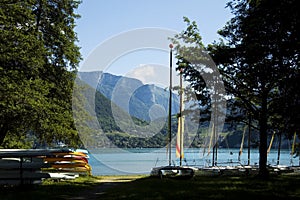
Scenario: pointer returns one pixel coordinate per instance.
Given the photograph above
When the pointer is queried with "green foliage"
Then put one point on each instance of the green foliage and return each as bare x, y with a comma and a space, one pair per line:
258, 60
122, 140
18, 141
261, 60
37, 57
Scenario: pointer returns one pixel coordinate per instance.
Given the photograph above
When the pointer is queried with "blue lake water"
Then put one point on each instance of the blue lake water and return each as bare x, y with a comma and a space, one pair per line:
140, 161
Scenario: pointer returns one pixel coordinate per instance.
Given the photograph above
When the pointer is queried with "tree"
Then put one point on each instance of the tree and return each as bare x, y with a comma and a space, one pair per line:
38, 59
259, 63
19, 63
259, 60
55, 21
205, 92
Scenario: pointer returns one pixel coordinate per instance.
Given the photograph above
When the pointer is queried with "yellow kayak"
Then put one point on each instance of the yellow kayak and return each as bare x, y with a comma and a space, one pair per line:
86, 169
71, 154
68, 159
68, 165
74, 168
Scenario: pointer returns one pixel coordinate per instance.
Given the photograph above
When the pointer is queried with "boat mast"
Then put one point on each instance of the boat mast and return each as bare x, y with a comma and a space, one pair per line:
170, 106
214, 145
180, 118
249, 138
279, 147
215, 134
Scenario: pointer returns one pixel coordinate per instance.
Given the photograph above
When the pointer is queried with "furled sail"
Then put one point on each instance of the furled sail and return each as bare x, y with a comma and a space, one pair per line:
242, 144
271, 142
179, 141
293, 146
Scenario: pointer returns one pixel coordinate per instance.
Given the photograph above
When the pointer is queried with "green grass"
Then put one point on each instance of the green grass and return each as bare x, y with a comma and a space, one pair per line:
242, 188
49, 189
143, 187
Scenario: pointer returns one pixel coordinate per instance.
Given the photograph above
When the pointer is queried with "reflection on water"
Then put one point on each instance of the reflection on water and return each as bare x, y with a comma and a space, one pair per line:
140, 161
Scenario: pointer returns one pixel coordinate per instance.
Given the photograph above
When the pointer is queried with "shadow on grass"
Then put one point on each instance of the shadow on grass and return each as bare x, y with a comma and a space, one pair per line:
49, 190
281, 187
202, 187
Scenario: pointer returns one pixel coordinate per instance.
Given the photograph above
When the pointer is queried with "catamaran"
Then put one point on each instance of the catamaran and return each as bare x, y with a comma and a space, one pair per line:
172, 170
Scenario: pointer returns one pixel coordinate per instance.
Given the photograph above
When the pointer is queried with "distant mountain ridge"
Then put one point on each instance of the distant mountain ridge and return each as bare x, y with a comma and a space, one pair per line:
143, 101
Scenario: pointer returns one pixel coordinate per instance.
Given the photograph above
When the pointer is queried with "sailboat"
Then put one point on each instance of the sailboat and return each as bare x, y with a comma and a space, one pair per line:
277, 168
242, 144
175, 171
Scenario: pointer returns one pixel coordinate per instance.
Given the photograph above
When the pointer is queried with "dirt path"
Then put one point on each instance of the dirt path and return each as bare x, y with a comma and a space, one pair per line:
98, 190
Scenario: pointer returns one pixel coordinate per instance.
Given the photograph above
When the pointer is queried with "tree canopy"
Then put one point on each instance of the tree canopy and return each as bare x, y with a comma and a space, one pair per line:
259, 61
258, 58
38, 61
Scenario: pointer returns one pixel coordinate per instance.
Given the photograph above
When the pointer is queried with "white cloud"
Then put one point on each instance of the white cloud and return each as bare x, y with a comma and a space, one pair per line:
154, 74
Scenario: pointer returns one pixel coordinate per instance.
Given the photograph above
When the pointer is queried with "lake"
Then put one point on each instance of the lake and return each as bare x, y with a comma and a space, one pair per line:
110, 161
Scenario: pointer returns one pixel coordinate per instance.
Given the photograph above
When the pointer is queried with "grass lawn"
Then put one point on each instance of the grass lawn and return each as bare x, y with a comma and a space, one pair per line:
144, 187
242, 188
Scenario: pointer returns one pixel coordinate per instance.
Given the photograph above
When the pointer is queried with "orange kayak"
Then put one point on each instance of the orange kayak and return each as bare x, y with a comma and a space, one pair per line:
69, 159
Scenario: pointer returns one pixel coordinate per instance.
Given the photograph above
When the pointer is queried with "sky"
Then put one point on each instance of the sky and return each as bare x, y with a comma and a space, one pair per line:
130, 37
103, 22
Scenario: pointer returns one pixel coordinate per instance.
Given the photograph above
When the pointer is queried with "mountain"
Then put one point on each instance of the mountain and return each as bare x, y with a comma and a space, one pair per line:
112, 126
125, 108
143, 101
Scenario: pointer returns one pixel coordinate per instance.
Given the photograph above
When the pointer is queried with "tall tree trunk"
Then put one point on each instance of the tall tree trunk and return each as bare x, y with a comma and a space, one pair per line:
263, 172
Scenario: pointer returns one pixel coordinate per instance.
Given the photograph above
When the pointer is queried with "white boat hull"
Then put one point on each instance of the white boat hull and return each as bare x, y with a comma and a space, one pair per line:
173, 172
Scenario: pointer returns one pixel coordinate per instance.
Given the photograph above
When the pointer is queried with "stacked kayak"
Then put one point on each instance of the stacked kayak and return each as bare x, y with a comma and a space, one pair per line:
71, 162
24, 166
